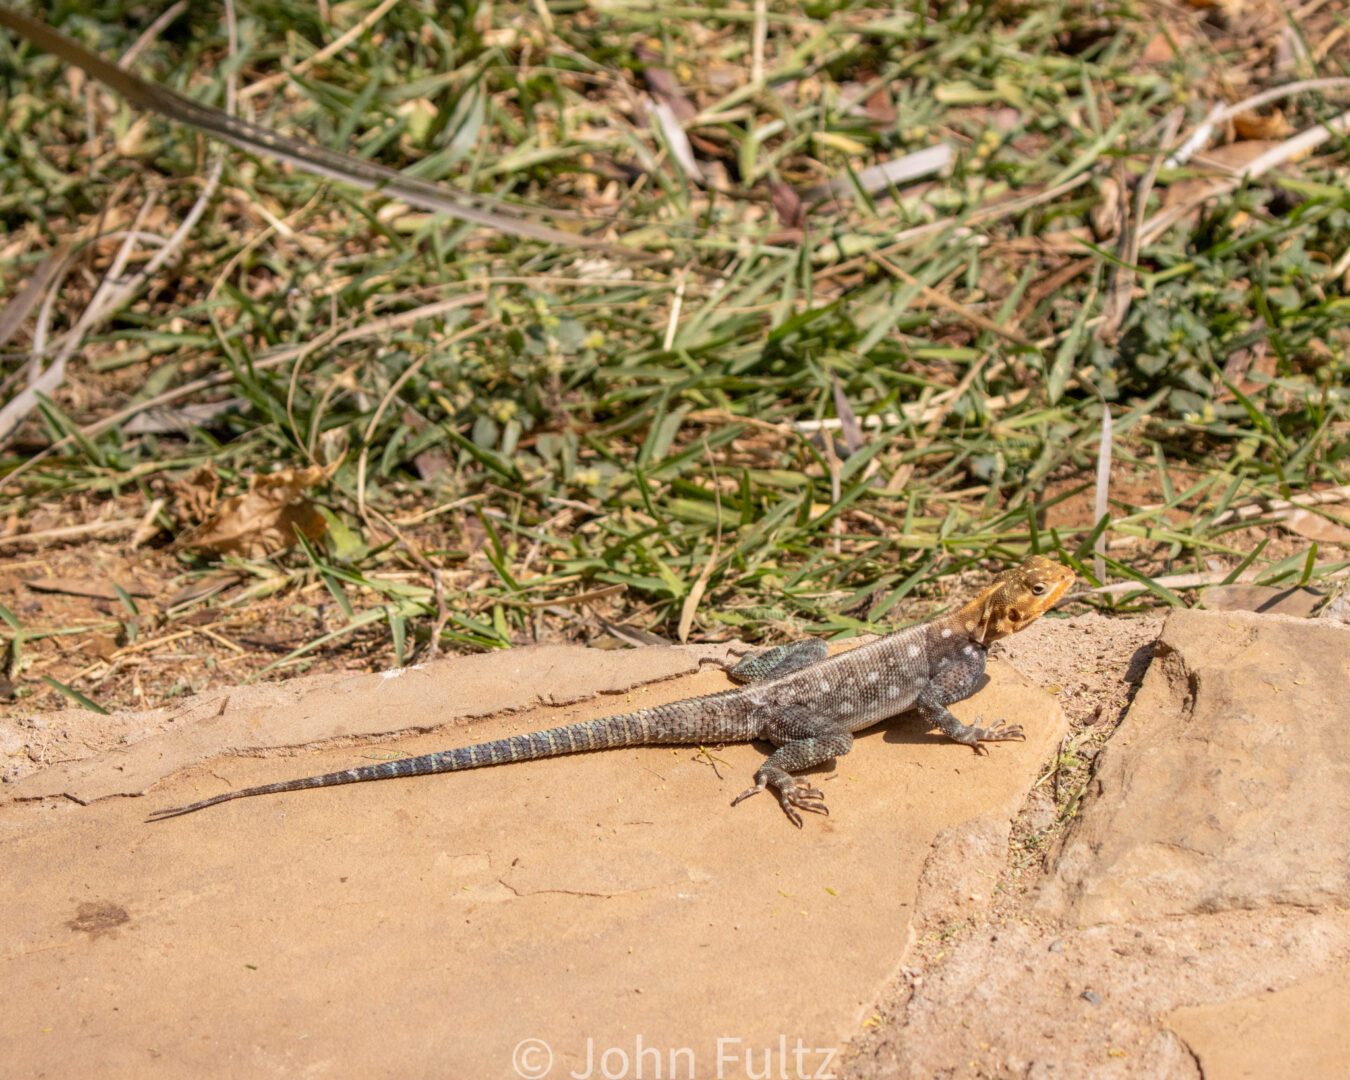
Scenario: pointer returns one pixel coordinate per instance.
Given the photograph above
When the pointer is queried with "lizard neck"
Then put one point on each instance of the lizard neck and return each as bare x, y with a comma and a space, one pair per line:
976, 621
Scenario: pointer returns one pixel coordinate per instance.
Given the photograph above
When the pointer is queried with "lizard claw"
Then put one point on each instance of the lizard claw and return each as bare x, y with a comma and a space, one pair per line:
792, 797
999, 731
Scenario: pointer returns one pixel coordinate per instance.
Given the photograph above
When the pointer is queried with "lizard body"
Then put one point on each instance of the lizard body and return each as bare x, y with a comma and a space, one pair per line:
806, 703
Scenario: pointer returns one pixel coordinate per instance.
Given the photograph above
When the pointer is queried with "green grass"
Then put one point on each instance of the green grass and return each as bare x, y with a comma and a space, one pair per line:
617, 423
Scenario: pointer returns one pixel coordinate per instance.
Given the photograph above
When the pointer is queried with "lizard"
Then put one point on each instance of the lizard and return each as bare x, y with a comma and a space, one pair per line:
806, 703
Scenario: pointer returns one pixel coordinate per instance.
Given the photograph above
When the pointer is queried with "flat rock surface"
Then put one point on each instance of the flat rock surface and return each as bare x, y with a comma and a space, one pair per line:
602, 904
1265, 599
1227, 784
1024, 999
1302, 1031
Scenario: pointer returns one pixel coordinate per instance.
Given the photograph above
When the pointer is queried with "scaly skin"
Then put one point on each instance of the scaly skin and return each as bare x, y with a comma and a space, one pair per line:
806, 703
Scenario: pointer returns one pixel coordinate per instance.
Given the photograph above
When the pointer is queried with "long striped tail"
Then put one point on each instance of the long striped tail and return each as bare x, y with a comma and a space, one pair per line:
664, 724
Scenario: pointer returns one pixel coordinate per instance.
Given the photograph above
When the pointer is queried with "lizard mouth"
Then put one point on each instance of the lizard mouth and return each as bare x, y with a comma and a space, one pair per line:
1058, 589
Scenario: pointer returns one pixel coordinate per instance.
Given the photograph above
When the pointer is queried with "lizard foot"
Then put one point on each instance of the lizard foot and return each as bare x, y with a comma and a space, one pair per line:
999, 731
792, 796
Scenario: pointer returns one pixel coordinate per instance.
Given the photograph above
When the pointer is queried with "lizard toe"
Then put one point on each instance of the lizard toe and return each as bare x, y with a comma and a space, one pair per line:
1002, 731
999, 731
794, 797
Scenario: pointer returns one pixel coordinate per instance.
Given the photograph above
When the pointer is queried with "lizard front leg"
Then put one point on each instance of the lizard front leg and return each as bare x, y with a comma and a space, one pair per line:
803, 741
955, 681
968, 734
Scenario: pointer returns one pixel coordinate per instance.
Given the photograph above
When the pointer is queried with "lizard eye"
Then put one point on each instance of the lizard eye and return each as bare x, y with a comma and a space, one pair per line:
1039, 589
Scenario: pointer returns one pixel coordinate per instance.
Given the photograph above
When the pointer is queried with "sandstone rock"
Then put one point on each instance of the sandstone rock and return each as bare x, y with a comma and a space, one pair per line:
1008, 1000
1337, 609
607, 913
1228, 782
1299, 1032
1265, 599
960, 873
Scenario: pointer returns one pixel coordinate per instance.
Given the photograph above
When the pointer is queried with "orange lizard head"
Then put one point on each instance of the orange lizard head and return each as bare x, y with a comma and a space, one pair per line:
1014, 599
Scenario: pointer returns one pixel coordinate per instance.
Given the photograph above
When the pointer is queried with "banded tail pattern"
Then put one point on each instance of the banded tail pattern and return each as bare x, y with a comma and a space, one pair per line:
662, 724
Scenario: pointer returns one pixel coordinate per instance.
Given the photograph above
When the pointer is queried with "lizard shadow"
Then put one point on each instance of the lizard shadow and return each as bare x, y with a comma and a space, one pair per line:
908, 728
904, 728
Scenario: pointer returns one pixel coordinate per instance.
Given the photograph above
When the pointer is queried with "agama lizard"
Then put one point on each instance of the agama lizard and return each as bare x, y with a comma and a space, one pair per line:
806, 703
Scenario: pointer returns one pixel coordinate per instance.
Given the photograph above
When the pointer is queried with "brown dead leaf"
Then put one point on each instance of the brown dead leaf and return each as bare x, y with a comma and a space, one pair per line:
664, 86
429, 463
264, 520
1231, 158
101, 645
1241, 363
17, 309
1250, 125
880, 107
195, 496
1226, 162
1105, 217
848, 419
787, 204
1159, 50
690, 606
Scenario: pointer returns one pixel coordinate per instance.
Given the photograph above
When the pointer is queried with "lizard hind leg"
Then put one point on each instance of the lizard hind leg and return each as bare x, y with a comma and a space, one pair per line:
765, 664
803, 742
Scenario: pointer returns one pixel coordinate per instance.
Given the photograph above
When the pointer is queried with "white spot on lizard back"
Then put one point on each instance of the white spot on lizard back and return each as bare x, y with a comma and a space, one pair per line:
946, 632
893, 691
824, 687
913, 651
873, 676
